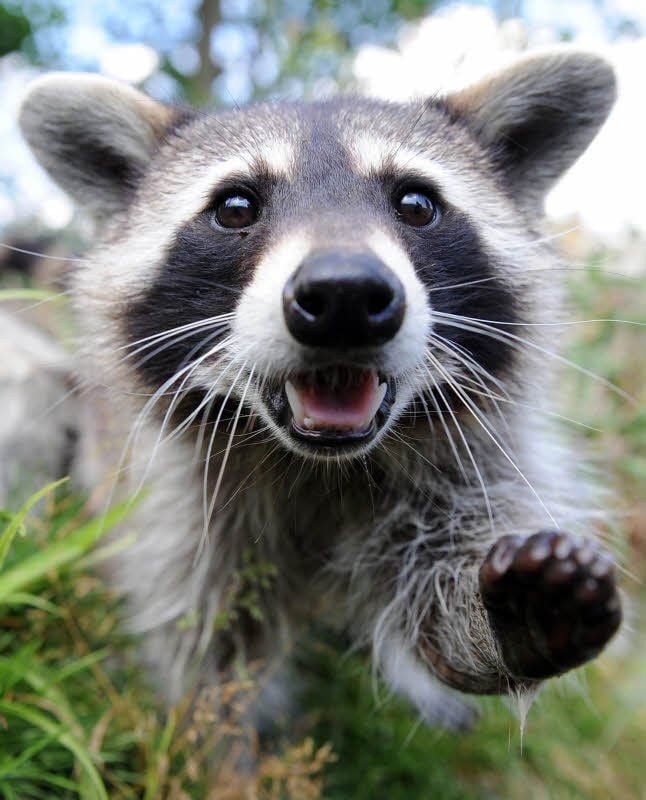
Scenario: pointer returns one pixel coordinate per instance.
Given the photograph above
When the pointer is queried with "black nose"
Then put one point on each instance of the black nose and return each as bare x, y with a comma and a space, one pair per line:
343, 300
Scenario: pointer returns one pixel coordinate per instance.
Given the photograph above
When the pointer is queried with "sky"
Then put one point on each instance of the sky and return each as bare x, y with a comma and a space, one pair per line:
603, 191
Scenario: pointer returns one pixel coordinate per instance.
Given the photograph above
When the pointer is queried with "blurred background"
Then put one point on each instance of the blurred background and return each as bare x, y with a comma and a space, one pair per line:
227, 52
585, 736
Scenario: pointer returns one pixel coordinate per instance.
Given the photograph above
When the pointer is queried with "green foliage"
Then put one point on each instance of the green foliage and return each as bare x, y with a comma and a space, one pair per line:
35, 295
20, 21
382, 749
244, 592
77, 719
15, 28
304, 43
42, 730
319, 40
582, 740
614, 351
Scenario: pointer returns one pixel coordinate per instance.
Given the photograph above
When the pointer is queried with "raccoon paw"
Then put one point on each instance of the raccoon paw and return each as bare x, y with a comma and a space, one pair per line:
552, 601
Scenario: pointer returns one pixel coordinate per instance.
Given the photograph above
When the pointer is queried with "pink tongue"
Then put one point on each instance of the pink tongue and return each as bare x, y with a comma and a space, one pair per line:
341, 406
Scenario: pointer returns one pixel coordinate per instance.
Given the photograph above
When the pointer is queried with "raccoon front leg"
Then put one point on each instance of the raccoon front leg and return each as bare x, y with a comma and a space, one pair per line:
540, 606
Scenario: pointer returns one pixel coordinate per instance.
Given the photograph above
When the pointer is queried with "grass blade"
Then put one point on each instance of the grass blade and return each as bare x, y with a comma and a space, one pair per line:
18, 519
63, 737
60, 553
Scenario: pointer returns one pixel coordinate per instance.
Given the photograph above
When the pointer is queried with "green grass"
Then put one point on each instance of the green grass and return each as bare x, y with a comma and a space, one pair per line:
78, 720
581, 741
77, 717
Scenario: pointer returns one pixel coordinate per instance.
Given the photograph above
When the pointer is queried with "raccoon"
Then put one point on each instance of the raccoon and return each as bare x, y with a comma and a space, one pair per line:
321, 335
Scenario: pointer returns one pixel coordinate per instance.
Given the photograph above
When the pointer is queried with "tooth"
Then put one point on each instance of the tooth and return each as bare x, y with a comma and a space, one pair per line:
308, 422
295, 402
379, 396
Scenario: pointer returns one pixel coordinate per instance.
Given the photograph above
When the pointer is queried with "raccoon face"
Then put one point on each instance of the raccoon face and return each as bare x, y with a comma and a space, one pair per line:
316, 266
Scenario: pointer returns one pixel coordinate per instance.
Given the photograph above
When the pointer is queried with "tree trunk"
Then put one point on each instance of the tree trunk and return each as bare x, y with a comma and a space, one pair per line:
201, 91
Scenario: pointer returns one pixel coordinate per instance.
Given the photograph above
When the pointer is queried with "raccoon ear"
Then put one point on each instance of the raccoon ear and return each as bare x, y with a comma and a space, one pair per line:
537, 117
93, 135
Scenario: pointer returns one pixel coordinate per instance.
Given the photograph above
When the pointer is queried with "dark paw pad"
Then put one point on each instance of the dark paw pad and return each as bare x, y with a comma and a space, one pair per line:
552, 601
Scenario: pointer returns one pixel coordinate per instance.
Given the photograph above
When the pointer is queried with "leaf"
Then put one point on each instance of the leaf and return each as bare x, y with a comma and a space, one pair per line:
26, 599
63, 737
27, 294
61, 552
17, 520
80, 664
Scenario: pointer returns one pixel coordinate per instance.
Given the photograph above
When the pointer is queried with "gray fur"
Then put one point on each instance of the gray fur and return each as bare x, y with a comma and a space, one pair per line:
36, 429
538, 116
386, 545
74, 124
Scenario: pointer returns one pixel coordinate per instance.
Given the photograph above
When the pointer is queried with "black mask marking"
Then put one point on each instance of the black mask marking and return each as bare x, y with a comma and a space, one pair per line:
452, 255
203, 276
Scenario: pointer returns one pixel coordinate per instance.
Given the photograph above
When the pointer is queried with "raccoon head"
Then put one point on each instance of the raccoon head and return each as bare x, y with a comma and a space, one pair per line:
314, 264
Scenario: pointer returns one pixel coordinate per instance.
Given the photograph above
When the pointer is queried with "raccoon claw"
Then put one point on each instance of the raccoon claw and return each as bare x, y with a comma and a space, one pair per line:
552, 601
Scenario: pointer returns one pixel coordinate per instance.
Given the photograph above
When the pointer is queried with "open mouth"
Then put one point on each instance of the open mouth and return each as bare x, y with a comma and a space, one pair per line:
336, 406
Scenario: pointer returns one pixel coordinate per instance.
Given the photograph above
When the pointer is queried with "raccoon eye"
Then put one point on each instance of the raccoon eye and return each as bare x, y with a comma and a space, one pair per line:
416, 208
236, 210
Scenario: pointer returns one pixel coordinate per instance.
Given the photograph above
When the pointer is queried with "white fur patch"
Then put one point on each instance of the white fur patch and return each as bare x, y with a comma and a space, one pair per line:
407, 676
408, 346
369, 154
191, 198
259, 323
159, 224
452, 185
279, 156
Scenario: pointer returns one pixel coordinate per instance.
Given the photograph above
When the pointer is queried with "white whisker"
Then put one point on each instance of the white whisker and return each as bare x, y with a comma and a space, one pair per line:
207, 460
467, 324
43, 255
478, 417
467, 447
227, 452
179, 329
475, 369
